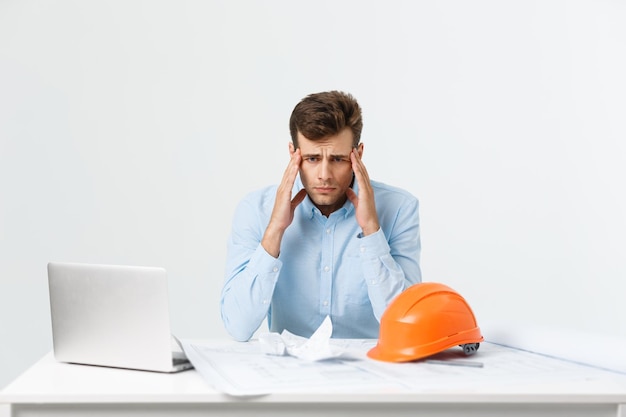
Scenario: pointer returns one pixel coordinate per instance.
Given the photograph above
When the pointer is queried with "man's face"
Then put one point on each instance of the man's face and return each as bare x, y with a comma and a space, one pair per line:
326, 169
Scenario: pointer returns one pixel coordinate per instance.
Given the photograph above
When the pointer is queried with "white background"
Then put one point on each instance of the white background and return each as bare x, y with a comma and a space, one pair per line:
129, 130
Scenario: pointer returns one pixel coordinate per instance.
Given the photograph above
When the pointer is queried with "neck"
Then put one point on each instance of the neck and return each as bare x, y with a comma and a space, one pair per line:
327, 210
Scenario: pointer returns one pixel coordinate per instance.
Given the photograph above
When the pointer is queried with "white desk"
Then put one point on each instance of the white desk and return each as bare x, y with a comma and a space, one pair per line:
49, 388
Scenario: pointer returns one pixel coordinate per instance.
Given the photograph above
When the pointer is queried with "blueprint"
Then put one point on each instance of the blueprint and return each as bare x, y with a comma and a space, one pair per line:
243, 369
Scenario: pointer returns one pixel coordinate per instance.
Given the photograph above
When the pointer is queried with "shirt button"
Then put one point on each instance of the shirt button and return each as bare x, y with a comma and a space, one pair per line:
264, 301
327, 231
275, 269
326, 269
325, 303
362, 249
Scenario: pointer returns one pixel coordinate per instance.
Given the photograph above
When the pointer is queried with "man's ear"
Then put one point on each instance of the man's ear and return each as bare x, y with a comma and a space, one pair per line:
291, 148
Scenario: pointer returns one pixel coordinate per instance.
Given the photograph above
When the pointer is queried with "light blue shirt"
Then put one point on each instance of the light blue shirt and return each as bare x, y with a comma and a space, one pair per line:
325, 267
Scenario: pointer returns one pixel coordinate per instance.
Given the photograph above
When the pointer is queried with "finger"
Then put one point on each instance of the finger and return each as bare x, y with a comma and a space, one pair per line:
295, 159
358, 169
289, 177
360, 164
298, 198
356, 159
354, 199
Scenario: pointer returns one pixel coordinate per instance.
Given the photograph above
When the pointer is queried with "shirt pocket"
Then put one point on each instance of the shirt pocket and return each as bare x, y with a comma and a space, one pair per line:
351, 281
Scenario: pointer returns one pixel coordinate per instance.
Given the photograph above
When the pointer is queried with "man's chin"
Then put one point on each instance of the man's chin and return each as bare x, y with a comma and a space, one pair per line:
324, 203
325, 200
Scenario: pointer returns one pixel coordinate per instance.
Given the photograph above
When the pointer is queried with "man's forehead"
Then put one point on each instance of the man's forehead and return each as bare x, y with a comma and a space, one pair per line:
337, 144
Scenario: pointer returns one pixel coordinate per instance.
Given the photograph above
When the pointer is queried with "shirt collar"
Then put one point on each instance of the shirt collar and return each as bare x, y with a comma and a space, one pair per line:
310, 209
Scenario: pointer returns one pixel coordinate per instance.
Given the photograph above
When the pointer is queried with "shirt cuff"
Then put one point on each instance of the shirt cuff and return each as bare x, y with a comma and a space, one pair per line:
374, 245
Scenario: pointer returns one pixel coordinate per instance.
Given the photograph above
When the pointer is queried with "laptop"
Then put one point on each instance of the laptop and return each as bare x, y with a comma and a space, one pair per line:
113, 315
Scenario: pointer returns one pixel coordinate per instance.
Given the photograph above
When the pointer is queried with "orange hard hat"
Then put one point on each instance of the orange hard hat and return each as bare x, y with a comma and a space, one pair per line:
425, 319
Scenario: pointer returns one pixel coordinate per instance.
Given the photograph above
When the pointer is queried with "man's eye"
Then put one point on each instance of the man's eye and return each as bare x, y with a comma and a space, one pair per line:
311, 159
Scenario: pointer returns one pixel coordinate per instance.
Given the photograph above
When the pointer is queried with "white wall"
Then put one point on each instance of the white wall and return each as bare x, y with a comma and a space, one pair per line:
129, 130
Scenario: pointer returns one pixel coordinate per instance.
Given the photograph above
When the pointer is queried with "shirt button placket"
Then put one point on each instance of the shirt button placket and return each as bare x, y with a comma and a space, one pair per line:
326, 279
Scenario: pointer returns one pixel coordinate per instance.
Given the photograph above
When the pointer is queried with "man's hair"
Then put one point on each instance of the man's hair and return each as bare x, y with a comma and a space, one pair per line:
324, 114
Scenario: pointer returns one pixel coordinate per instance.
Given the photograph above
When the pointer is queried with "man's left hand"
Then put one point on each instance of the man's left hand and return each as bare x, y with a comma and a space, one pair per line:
364, 203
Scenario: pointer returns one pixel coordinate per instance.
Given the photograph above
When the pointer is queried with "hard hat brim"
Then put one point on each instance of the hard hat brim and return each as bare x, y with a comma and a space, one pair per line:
419, 352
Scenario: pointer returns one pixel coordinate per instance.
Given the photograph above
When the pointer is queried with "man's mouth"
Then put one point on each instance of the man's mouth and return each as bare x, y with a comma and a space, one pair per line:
324, 190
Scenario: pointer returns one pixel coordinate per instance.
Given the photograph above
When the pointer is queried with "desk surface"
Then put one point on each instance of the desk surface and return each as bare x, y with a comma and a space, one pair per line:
49, 383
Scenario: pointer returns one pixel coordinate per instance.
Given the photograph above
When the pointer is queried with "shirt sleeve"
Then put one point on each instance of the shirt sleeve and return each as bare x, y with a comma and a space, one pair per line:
250, 276
391, 258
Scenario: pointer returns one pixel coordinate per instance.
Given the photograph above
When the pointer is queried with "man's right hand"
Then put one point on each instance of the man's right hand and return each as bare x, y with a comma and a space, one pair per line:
284, 206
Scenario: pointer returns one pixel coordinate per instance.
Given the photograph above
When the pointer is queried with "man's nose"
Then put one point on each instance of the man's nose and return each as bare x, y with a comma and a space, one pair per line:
324, 170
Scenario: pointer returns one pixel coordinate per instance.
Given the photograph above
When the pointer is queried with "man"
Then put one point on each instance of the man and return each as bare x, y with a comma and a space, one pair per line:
327, 241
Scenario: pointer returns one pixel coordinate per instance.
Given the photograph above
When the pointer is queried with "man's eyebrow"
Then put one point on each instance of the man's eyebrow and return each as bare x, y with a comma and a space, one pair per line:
319, 155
